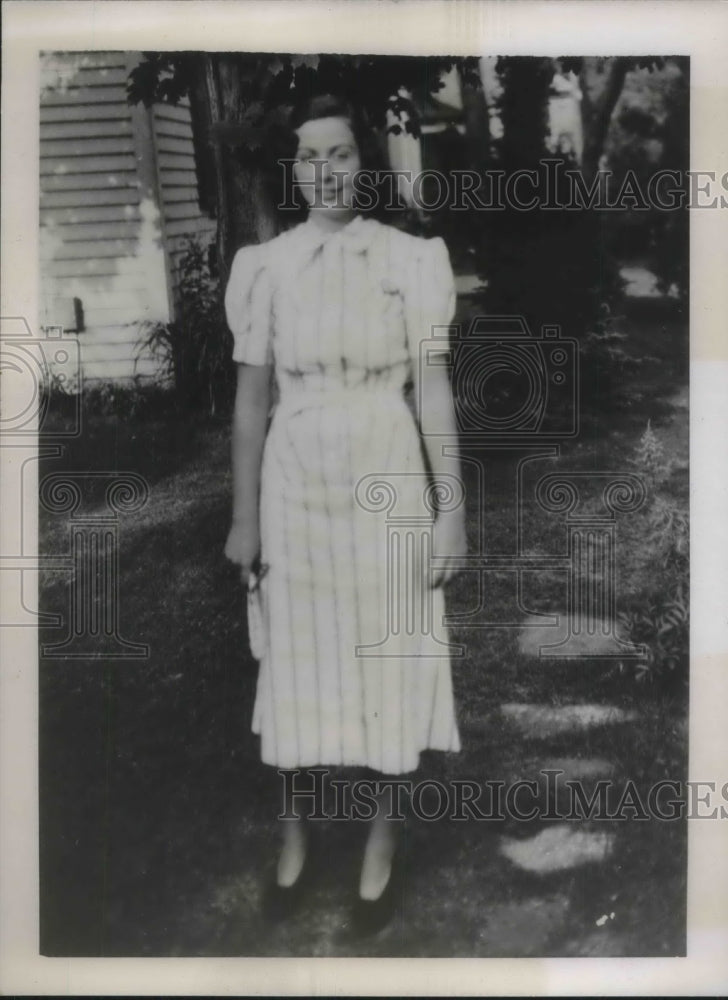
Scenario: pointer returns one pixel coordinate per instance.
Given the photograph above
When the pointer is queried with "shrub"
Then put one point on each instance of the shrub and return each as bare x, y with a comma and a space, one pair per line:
195, 347
650, 459
669, 535
663, 628
660, 621
132, 401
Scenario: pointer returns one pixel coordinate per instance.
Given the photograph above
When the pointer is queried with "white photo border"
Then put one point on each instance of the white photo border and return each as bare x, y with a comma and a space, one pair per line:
697, 28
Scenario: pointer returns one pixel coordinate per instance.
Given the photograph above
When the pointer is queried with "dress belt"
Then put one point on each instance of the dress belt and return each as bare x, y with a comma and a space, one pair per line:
294, 401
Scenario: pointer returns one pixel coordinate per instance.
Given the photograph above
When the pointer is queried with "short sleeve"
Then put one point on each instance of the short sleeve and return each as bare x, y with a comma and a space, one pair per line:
430, 293
248, 307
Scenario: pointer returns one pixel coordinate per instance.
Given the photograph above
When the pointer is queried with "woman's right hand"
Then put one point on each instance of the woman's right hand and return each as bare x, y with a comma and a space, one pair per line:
243, 545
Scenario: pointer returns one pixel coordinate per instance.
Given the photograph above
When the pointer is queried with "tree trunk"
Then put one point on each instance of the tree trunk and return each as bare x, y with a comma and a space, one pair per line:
477, 121
512, 257
548, 267
599, 99
524, 110
234, 184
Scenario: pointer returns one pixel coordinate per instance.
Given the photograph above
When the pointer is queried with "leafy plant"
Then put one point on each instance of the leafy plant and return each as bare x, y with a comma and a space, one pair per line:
58, 402
660, 621
663, 628
194, 348
135, 401
651, 462
615, 373
669, 534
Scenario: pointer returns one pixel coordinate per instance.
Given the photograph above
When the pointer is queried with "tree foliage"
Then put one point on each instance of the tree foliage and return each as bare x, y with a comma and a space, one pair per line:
240, 101
550, 267
563, 267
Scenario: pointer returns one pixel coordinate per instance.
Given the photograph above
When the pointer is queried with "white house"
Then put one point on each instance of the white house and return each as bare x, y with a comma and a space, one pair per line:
118, 201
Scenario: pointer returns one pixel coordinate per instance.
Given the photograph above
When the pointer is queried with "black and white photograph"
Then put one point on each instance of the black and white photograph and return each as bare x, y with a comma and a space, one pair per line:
356, 412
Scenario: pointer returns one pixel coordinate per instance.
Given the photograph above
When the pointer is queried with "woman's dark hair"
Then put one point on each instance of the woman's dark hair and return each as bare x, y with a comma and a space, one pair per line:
283, 146
330, 106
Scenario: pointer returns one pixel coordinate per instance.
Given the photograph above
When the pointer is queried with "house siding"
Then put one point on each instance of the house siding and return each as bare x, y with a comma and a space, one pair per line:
178, 191
118, 197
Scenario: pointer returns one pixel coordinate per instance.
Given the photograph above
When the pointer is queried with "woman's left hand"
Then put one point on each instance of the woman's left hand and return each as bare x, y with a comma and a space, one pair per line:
449, 545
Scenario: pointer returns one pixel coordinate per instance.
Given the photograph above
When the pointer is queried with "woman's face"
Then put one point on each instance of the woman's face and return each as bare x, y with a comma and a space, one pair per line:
327, 161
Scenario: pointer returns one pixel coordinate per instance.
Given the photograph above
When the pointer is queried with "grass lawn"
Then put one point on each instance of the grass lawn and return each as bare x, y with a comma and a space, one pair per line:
157, 816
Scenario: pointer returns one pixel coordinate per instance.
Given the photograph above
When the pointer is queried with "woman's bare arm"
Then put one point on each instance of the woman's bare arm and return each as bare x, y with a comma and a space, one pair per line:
250, 423
438, 427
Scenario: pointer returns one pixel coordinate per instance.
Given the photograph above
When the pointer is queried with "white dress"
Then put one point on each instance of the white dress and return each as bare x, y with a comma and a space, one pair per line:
356, 669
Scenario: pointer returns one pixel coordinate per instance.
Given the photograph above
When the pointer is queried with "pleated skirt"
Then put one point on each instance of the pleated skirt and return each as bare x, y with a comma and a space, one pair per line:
356, 662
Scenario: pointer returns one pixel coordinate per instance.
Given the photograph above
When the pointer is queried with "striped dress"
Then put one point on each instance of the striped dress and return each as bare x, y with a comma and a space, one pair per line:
356, 667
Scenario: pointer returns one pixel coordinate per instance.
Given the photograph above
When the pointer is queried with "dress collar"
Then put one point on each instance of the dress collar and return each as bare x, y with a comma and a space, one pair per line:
356, 235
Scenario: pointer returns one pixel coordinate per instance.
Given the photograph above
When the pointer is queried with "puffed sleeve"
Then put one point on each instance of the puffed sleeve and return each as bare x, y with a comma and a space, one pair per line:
430, 300
248, 306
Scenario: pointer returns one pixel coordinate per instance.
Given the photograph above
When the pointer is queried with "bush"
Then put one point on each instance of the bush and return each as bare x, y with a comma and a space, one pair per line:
607, 368
135, 401
663, 628
195, 348
660, 620
648, 133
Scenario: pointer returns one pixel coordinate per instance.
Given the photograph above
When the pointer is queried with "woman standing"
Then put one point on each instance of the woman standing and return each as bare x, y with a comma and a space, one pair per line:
337, 308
